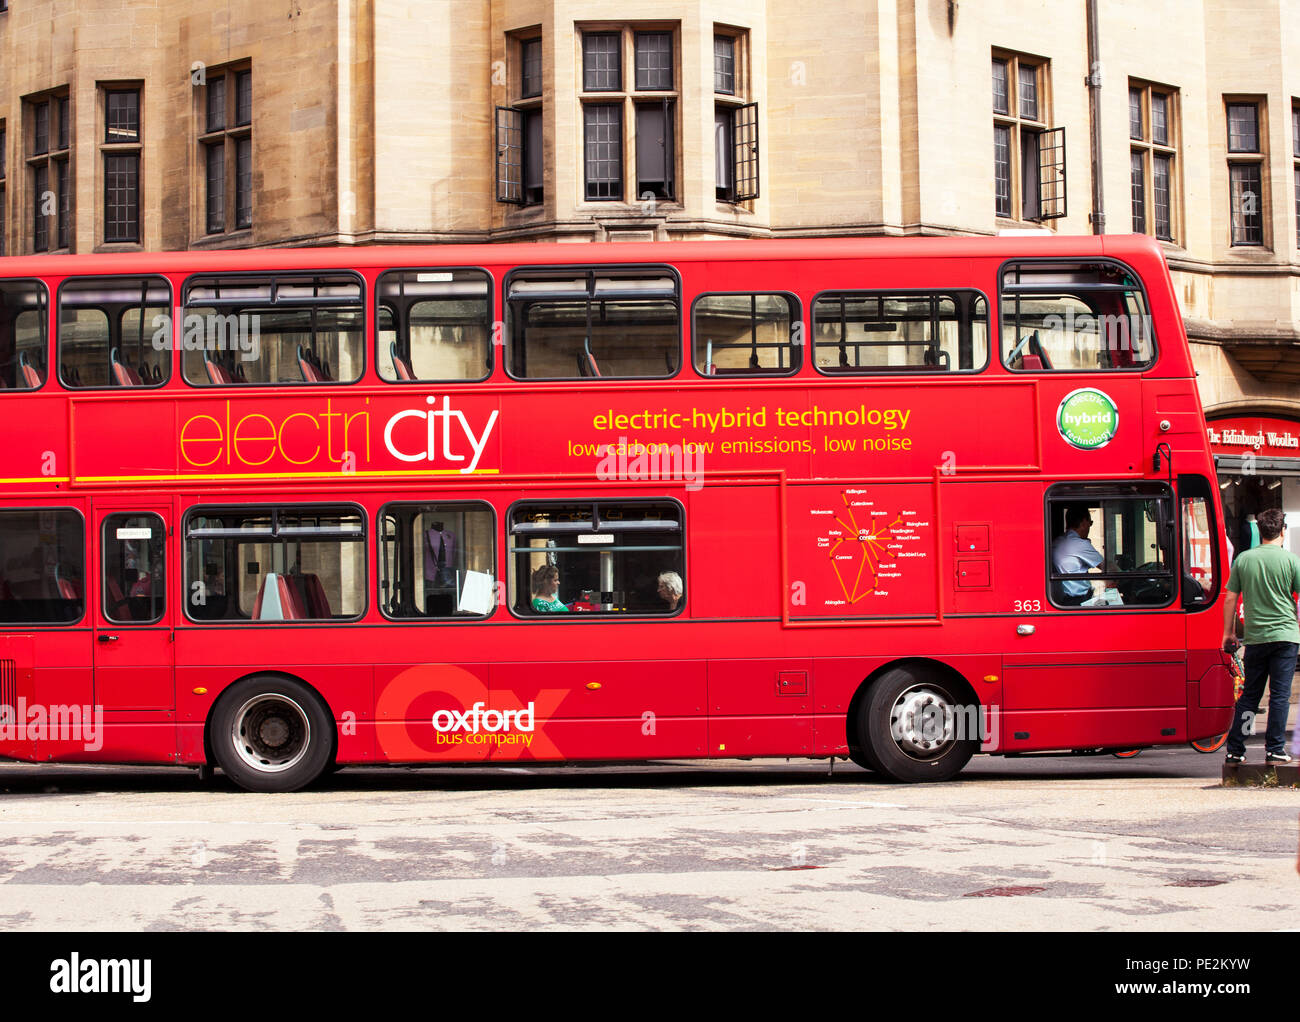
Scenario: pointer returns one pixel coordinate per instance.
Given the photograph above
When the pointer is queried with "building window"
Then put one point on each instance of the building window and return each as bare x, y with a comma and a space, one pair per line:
1028, 156
1246, 156
1152, 120
48, 130
641, 123
121, 150
520, 139
735, 123
226, 152
1295, 153
4, 159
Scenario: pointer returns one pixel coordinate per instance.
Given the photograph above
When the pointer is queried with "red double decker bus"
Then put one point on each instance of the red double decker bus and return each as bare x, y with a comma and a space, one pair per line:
893, 500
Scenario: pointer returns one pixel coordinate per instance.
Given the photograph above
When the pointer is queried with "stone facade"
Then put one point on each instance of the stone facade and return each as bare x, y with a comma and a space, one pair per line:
375, 121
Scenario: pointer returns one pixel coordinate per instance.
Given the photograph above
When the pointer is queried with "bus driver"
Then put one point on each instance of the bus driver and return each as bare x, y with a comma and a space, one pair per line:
1073, 554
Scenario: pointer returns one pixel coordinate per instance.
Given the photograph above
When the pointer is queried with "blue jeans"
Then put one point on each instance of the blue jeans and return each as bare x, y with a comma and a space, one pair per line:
1271, 663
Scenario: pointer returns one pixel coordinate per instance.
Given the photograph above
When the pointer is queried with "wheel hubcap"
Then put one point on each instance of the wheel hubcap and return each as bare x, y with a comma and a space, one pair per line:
923, 722
270, 733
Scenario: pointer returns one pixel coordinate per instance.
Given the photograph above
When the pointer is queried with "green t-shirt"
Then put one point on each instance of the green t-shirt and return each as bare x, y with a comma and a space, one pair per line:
1266, 577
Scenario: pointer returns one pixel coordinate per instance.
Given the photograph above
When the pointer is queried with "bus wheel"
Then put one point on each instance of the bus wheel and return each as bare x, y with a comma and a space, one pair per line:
1125, 753
907, 725
1210, 744
271, 734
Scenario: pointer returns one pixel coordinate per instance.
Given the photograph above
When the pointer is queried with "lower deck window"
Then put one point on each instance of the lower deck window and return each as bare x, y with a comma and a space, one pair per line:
42, 566
268, 564
436, 560
1110, 548
597, 558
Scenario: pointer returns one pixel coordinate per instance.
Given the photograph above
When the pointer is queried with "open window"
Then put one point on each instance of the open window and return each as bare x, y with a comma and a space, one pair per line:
437, 560
434, 325
1111, 545
1074, 317
859, 332
608, 323
272, 564
289, 328
599, 557
115, 332
24, 352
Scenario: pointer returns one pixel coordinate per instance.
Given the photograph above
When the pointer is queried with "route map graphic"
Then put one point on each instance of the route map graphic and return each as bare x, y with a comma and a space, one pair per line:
869, 549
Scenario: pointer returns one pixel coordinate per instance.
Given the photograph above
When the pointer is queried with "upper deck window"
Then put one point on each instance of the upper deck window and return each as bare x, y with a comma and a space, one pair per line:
746, 335
434, 325
611, 322
115, 332
864, 332
23, 348
289, 328
1074, 317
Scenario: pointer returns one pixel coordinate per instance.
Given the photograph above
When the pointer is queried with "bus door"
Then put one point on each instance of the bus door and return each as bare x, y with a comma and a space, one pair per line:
134, 642
1107, 665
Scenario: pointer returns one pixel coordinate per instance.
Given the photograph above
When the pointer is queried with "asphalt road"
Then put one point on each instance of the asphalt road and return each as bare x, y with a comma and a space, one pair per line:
1099, 843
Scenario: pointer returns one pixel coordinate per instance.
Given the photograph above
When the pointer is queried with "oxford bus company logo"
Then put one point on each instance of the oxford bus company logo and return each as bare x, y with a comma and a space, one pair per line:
1087, 419
479, 726
36, 722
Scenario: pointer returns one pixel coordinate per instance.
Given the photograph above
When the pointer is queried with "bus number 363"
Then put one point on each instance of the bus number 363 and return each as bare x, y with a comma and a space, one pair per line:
1028, 606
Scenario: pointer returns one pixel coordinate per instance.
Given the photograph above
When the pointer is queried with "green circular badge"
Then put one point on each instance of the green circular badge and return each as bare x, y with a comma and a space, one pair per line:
1087, 419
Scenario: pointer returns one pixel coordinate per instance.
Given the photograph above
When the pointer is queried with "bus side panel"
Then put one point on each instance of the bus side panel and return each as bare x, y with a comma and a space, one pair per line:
1088, 729
734, 546
760, 707
97, 740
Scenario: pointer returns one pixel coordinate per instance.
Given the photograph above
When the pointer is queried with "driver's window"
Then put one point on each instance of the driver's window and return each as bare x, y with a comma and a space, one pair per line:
1110, 551
1199, 543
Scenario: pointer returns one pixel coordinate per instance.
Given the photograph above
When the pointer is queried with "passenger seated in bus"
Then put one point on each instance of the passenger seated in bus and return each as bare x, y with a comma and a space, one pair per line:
1073, 554
546, 588
670, 589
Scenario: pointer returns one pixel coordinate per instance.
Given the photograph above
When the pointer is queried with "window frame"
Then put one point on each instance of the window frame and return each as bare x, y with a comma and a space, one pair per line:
183, 291
796, 318
453, 619
227, 138
1019, 127
51, 351
582, 269
1187, 489
898, 371
1150, 150
170, 349
611, 617
59, 236
1257, 159
491, 314
106, 603
215, 510
85, 569
1146, 300
1104, 490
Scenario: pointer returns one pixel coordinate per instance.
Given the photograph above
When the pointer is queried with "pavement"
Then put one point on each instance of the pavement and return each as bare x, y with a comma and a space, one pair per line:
1093, 843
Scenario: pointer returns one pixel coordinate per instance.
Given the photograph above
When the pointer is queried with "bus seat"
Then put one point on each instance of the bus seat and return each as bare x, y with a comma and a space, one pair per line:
310, 373
314, 599
587, 361
1031, 362
118, 608
289, 600
31, 375
267, 606
402, 367
67, 588
217, 373
123, 374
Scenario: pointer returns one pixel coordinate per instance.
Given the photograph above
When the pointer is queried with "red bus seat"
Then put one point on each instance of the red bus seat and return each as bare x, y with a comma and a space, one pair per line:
119, 609
31, 376
217, 373
123, 374
402, 367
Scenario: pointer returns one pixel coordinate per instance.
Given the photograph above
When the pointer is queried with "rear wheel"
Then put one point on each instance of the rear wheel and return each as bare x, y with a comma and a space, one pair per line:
1125, 753
271, 734
907, 726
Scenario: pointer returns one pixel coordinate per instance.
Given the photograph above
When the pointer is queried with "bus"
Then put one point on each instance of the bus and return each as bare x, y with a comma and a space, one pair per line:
281, 511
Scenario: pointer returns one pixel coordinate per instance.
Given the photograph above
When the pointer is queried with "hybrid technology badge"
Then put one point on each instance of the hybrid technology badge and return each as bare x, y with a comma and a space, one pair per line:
1087, 419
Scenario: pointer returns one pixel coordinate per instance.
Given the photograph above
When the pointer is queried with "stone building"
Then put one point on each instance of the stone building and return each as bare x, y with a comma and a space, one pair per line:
182, 124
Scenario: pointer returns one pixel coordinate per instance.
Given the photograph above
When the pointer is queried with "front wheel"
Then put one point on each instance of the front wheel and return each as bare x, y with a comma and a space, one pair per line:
271, 734
909, 727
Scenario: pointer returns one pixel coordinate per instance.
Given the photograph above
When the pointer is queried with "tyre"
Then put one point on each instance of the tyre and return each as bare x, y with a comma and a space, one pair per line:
1210, 744
907, 726
271, 734
1125, 753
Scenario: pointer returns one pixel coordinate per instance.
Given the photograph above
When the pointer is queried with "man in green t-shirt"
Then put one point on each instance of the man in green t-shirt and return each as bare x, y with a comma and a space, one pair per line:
1266, 577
